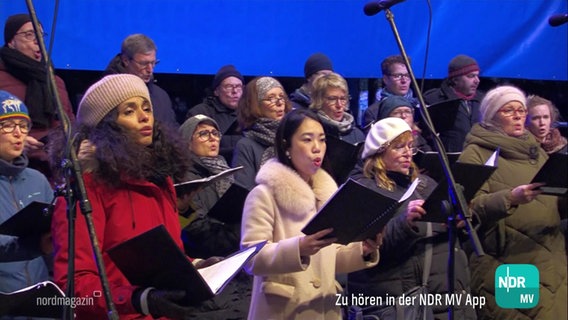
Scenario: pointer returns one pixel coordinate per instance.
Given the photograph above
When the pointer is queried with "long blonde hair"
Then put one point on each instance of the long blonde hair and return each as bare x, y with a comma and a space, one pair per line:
374, 166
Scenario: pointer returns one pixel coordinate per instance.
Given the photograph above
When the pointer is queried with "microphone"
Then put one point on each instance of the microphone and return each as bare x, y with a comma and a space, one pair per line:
374, 7
558, 19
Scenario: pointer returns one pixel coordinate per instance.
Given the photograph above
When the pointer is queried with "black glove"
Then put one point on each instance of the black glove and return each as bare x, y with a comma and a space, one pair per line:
161, 303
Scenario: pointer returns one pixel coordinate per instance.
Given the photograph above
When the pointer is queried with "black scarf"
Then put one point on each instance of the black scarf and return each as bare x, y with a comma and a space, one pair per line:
33, 74
263, 131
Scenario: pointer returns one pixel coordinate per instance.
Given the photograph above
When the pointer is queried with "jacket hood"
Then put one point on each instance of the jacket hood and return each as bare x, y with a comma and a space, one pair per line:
525, 147
12, 169
290, 191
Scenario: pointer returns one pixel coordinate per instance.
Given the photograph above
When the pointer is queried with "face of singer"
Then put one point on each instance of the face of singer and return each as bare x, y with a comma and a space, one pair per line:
307, 148
539, 121
334, 108
274, 110
136, 117
399, 87
513, 125
141, 65
466, 84
208, 147
12, 144
398, 156
29, 48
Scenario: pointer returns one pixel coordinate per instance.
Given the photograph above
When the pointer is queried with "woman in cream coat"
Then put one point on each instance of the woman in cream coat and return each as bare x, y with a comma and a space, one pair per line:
294, 274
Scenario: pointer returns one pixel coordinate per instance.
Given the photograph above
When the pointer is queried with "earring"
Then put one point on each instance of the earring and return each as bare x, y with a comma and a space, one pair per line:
288, 155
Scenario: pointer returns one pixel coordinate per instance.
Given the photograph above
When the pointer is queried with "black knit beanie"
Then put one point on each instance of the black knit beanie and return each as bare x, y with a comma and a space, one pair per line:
225, 72
461, 65
317, 62
13, 24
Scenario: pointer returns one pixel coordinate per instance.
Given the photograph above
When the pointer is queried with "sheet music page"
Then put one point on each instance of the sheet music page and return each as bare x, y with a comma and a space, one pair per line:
217, 274
410, 190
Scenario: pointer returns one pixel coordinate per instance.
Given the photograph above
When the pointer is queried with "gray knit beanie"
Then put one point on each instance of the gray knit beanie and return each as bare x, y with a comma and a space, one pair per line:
106, 94
265, 84
187, 129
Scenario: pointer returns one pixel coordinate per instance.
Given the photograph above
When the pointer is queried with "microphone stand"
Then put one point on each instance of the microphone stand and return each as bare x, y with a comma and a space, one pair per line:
81, 192
456, 195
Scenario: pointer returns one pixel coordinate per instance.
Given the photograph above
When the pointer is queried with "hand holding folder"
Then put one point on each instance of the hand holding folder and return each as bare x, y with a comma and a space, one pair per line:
356, 212
554, 173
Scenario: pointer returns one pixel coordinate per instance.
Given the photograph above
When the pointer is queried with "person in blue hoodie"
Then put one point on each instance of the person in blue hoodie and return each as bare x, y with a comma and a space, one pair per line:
21, 264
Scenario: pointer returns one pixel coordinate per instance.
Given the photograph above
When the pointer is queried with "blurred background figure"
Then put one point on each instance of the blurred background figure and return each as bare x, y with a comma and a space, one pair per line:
541, 120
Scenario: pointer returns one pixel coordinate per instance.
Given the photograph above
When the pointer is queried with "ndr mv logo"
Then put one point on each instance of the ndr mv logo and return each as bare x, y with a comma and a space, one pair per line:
516, 286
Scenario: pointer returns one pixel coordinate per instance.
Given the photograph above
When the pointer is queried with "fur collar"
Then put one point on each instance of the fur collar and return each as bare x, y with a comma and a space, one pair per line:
291, 192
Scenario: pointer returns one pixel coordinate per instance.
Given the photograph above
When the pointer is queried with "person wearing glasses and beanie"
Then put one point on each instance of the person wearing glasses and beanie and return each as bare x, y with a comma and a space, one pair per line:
461, 85
387, 168
395, 81
138, 57
21, 264
263, 104
221, 104
129, 183
516, 224
316, 65
23, 73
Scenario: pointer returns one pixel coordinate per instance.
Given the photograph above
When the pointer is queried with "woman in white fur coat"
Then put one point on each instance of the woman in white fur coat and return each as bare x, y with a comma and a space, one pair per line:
294, 274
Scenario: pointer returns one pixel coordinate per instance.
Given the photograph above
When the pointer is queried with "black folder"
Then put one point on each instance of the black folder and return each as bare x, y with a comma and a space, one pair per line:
443, 114
470, 176
341, 157
229, 208
194, 185
355, 212
429, 161
152, 259
33, 220
554, 173
33, 301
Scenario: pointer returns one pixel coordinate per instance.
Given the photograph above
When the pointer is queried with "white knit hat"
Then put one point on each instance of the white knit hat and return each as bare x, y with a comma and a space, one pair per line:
106, 94
382, 133
498, 97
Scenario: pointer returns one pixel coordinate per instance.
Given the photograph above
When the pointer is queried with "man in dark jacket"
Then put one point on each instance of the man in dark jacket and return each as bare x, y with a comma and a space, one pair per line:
138, 57
316, 65
460, 87
221, 104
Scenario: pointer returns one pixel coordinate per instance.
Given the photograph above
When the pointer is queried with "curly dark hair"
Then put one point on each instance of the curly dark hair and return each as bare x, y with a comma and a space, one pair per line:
120, 158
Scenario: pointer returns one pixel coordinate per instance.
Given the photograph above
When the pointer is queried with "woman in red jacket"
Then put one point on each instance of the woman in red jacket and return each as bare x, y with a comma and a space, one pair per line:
129, 185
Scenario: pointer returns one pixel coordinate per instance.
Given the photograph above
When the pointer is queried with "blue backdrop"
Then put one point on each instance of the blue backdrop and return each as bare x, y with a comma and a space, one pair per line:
509, 38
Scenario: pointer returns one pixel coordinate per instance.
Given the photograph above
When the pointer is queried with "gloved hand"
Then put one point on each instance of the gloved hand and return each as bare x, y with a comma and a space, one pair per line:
160, 303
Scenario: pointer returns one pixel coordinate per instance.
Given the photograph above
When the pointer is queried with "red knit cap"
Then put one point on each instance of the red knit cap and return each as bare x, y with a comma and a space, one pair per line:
462, 65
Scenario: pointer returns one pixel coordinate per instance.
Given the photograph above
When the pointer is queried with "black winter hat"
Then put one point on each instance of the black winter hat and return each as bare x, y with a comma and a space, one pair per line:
13, 24
317, 62
225, 72
388, 104
461, 65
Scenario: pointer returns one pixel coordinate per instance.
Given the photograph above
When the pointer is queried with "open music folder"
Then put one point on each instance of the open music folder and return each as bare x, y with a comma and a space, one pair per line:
554, 173
341, 157
356, 212
33, 220
28, 302
152, 259
194, 185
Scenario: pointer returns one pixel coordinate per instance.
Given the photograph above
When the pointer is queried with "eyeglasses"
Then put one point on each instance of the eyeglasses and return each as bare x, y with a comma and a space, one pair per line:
275, 100
10, 126
145, 64
401, 149
509, 112
340, 100
231, 87
205, 135
399, 76
30, 35
401, 113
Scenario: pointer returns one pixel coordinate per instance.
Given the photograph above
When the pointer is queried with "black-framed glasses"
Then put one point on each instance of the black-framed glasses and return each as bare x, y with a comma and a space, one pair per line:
509, 112
275, 100
231, 87
205, 135
10, 126
30, 35
335, 99
399, 76
145, 64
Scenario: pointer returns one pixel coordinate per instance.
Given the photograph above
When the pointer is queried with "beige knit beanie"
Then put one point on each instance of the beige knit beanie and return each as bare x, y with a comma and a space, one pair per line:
106, 94
382, 133
496, 98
